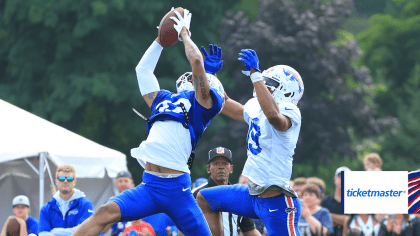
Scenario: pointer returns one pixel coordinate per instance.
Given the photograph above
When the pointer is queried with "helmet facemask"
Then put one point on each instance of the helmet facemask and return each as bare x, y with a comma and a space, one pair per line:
183, 83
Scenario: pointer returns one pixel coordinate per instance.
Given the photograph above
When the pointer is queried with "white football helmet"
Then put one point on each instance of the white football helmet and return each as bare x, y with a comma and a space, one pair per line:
183, 84
285, 82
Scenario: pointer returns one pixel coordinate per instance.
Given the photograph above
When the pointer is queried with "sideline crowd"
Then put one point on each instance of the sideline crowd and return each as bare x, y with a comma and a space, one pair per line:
320, 214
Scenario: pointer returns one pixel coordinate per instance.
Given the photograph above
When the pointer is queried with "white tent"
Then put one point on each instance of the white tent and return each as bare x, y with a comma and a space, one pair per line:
32, 148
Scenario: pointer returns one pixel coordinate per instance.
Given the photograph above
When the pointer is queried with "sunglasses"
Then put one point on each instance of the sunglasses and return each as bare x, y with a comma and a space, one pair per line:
62, 178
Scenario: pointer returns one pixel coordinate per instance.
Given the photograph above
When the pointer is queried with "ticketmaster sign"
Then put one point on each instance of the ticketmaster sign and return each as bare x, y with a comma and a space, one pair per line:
380, 192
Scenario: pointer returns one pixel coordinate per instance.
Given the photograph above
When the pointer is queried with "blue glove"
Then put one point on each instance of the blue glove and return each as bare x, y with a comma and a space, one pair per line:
212, 61
250, 59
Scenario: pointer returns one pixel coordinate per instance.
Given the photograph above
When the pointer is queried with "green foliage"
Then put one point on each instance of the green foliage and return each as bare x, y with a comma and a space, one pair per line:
72, 62
343, 38
250, 7
391, 49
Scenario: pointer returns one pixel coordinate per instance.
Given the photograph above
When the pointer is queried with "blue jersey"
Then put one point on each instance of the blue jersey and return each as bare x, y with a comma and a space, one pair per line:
167, 106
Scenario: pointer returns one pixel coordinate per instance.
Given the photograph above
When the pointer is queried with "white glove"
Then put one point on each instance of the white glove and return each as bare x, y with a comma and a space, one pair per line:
182, 22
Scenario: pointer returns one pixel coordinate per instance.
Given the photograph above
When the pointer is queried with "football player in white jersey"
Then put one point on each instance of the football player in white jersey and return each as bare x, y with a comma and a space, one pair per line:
177, 122
274, 124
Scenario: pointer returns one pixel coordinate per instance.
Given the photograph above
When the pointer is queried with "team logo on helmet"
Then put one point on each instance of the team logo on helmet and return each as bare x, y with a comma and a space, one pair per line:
284, 82
293, 77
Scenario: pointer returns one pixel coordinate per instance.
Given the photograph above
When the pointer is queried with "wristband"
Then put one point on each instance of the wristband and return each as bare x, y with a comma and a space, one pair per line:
256, 76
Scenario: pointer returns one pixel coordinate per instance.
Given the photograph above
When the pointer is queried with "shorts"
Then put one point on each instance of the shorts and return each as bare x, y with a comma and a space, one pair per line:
280, 215
171, 196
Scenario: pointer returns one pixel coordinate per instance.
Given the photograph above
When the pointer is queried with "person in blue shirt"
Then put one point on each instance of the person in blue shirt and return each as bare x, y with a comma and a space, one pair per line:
28, 224
177, 122
68, 208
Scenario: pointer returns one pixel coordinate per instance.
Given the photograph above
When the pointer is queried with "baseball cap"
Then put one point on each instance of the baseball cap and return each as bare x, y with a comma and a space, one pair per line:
124, 174
339, 169
21, 199
220, 152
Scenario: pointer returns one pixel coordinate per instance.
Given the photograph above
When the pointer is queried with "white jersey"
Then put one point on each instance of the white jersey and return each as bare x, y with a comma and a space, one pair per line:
270, 151
158, 149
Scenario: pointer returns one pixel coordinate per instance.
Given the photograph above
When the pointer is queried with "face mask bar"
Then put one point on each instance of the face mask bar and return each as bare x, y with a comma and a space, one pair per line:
270, 83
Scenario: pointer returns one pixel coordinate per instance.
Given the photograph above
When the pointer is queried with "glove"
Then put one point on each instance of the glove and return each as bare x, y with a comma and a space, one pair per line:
182, 22
213, 62
250, 59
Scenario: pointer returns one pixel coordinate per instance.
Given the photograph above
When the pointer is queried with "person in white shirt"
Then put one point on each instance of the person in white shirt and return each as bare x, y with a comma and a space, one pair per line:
274, 124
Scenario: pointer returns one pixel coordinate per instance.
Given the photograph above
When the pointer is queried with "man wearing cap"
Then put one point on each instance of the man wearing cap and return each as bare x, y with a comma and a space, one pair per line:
123, 182
159, 222
220, 167
28, 224
333, 203
68, 208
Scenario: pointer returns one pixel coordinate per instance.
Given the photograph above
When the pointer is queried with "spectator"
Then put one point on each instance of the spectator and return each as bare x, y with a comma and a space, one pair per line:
68, 208
28, 224
364, 223
123, 182
314, 220
399, 224
220, 167
298, 183
243, 180
140, 227
159, 222
372, 161
333, 204
318, 182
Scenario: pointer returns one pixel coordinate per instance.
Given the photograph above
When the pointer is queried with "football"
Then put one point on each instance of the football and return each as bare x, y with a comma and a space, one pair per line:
13, 227
167, 33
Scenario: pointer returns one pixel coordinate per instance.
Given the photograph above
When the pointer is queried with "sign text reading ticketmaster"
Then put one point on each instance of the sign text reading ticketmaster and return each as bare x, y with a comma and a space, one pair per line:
374, 193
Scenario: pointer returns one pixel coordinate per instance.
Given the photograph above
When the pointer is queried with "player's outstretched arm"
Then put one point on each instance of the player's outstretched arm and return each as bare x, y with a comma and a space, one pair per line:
199, 77
265, 99
233, 109
200, 81
212, 64
148, 84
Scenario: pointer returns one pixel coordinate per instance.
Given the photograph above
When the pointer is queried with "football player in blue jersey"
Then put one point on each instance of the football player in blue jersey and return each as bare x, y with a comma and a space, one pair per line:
177, 122
274, 124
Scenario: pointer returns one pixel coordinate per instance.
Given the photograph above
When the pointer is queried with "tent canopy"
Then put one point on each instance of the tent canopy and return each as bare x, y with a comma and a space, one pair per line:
30, 146
23, 134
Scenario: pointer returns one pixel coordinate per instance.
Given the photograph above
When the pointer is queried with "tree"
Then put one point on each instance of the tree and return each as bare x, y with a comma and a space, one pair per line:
337, 96
391, 49
72, 61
